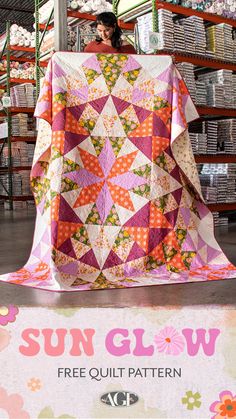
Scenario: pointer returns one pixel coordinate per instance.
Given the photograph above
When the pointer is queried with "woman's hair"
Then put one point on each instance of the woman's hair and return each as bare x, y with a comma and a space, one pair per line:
109, 19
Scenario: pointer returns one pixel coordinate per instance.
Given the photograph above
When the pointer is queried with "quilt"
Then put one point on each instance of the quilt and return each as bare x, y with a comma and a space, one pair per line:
115, 183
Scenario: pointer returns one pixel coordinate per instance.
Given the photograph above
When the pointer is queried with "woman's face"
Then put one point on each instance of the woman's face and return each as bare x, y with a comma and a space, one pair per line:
105, 32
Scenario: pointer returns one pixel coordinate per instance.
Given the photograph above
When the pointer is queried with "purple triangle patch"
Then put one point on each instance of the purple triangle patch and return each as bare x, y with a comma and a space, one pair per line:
120, 104
98, 104
112, 260
188, 244
159, 128
196, 263
135, 253
186, 214
144, 144
81, 93
165, 75
48, 256
172, 216
201, 243
130, 65
66, 213
177, 194
93, 64
169, 151
71, 268
166, 95
67, 249
59, 121
45, 238
40, 206
37, 251
139, 95
72, 140
141, 218
141, 113
54, 232
176, 175
156, 236
58, 89
202, 209
90, 259
77, 111
212, 253
57, 71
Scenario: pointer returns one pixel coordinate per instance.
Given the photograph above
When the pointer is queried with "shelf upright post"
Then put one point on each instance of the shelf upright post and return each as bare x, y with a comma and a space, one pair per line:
115, 6
37, 51
9, 119
154, 17
60, 25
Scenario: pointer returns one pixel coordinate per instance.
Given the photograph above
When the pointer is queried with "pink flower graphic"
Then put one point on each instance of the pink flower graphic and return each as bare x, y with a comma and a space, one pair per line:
225, 407
8, 314
169, 341
13, 405
5, 338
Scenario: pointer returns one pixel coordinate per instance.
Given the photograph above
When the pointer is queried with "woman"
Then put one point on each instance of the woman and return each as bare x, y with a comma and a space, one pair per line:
109, 36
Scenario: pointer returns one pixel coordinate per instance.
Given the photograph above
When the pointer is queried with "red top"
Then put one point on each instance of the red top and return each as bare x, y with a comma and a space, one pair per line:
95, 46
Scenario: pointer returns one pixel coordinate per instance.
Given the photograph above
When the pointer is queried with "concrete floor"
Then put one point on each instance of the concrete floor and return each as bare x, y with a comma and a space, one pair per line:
16, 232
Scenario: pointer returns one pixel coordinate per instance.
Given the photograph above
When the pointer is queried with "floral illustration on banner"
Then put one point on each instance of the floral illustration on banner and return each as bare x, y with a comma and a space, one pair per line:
191, 400
8, 314
5, 338
67, 312
47, 413
13, 405
225, 407
169, 341
34, 384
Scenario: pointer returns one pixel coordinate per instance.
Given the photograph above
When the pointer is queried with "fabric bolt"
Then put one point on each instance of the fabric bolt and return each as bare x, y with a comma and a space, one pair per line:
118, 197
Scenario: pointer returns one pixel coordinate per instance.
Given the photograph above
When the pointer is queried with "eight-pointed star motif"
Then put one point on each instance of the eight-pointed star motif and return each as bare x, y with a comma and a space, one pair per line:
106, 180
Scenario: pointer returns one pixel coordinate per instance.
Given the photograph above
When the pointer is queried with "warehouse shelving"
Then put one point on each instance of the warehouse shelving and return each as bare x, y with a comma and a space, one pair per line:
180, 10
10, 53
142, 7
207, 110
18, 198
201, 61
215, 158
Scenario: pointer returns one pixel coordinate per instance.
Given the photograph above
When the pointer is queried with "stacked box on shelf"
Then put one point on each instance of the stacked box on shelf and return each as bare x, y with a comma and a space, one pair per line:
187, 72
216, 218
220, 41
198, 142
215, 40
144, 27
201, 94
189, 34
234, 87
220, 88
179, 39
210, 128
218, 182
214, 136
23, 95
227, 136
20, 184
165, 29
23, 125
22, 154
200, 35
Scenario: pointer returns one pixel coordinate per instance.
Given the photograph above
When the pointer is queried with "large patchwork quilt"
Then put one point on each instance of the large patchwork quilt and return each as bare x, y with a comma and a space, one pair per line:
114, 179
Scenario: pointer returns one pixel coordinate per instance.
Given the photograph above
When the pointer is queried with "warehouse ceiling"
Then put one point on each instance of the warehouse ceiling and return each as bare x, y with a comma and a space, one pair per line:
17, 11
